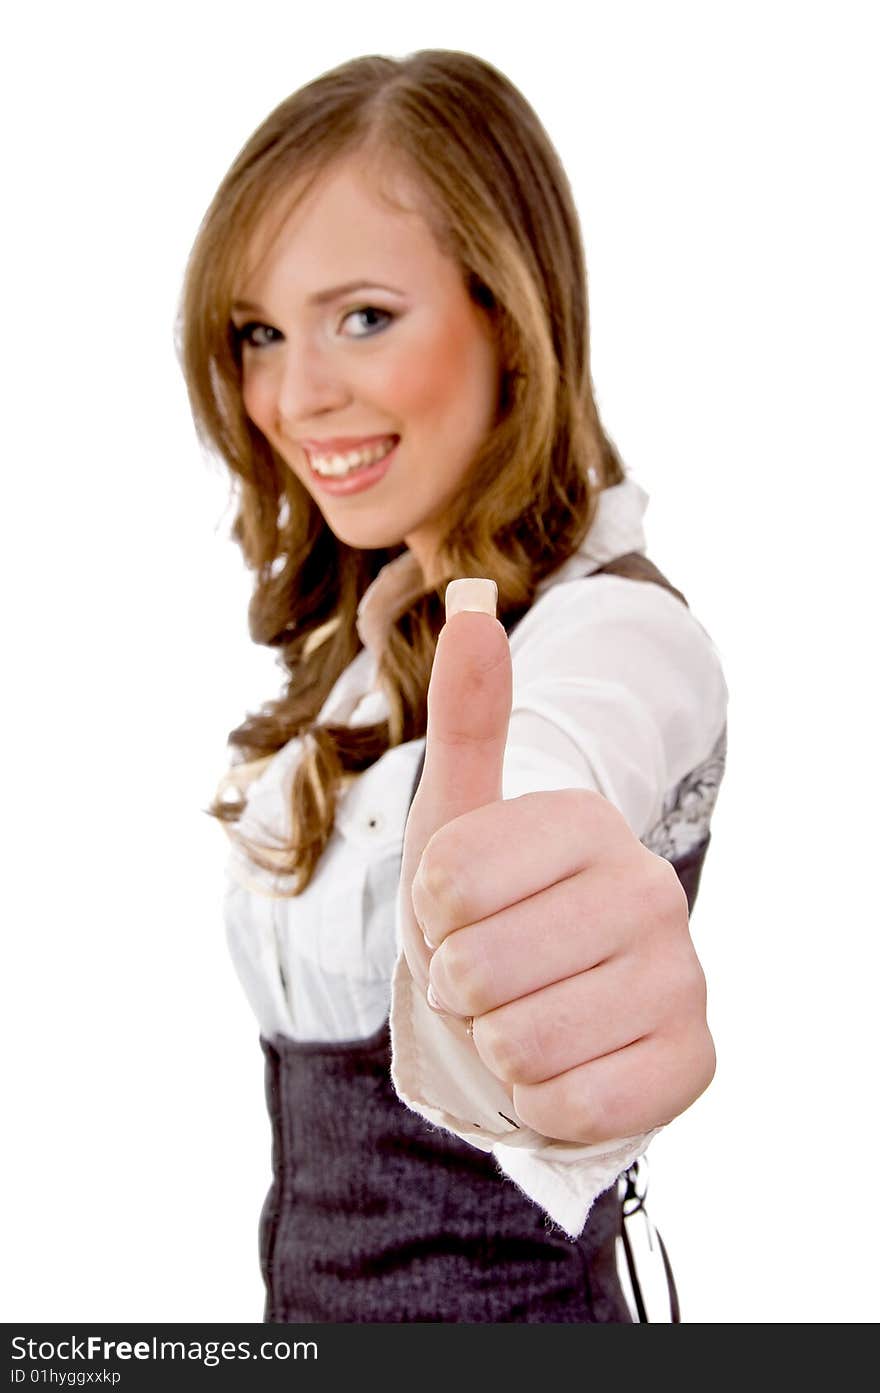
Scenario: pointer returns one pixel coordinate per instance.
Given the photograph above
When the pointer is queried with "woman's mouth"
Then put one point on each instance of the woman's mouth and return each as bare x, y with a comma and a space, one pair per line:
352, 470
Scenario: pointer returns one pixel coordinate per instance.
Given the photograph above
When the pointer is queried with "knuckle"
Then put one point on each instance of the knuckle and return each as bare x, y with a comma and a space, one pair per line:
594, 809
659, 901
586, 1107
666, 890
694, 985
532, 1107
585, 808
436, 887
564, 1108
502, 1049
706, 1063
693, 1064
459, 974
684, 986
581, 1109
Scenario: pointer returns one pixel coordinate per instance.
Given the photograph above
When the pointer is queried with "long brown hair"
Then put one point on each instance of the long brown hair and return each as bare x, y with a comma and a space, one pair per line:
498, 201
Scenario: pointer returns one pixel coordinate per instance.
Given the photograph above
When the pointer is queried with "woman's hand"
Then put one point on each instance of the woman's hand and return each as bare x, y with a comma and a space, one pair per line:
547, 921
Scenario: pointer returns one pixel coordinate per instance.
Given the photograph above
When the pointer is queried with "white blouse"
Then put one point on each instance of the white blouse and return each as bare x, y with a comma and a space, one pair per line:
617, 688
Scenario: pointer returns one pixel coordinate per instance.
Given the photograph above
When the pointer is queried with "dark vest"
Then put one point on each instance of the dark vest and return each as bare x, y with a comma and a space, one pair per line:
375, 1215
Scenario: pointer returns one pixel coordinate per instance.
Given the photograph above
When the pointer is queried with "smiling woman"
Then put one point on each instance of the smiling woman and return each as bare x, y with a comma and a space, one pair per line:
320, 385
385, 336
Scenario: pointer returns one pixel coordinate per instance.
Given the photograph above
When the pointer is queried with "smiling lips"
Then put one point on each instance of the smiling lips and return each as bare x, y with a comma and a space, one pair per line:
335, 464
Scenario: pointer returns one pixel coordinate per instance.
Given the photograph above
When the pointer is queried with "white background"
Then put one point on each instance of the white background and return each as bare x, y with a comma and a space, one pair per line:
723, 161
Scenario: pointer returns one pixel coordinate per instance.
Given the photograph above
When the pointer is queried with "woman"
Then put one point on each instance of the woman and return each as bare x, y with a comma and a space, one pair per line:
384, 334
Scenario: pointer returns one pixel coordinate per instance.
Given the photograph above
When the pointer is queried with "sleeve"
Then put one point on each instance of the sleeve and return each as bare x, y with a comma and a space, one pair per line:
622, 692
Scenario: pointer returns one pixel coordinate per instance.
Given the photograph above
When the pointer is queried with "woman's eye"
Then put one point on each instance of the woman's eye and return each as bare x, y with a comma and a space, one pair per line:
366, 310
257, 335
246, 334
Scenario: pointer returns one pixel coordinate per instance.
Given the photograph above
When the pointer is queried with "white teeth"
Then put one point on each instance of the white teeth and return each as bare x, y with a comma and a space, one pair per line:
334, 466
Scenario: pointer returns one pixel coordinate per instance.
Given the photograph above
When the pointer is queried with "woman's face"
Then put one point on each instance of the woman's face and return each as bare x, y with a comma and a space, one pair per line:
404, 353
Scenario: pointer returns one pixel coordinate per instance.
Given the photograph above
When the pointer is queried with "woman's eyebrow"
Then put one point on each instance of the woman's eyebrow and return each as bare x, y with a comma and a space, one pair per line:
323, 297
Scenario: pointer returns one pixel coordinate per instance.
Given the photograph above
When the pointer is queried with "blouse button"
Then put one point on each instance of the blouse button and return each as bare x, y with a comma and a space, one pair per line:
374, 822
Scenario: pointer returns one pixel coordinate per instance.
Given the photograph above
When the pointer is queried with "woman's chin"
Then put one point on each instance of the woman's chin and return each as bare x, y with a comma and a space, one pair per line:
365, 538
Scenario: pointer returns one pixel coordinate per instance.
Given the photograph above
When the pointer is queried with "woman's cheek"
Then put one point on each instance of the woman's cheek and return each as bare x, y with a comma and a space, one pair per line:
419, 375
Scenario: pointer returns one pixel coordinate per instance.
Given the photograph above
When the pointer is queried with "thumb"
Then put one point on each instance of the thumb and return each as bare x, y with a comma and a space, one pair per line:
469, 700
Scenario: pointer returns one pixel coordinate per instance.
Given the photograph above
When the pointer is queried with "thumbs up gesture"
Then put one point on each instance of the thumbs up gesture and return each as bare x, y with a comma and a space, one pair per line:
546, 936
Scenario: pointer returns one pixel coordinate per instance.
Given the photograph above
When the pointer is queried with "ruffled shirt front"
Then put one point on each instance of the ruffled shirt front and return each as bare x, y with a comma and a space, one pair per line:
616, 688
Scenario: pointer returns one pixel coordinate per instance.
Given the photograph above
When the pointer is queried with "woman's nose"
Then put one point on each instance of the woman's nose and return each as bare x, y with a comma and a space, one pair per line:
309, 385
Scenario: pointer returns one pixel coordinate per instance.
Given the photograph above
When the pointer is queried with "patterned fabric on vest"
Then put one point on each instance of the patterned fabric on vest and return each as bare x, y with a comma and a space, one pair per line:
375, 1215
